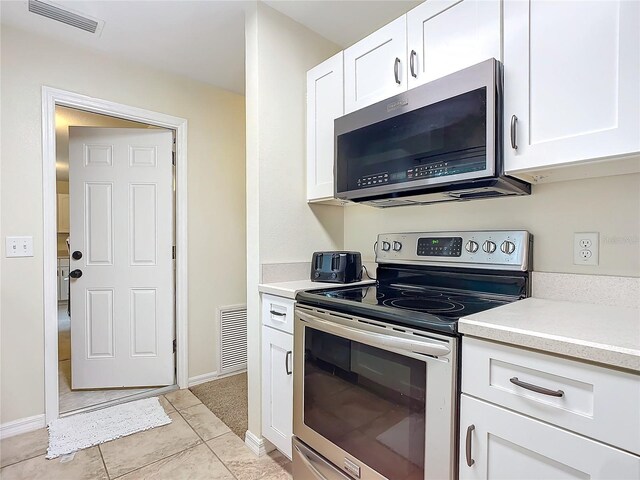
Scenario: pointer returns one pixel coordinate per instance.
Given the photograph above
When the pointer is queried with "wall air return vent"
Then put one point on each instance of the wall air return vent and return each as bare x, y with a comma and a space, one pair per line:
233, 339
65, 15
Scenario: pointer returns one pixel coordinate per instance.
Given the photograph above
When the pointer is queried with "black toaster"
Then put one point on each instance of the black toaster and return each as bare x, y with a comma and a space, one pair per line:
336, 267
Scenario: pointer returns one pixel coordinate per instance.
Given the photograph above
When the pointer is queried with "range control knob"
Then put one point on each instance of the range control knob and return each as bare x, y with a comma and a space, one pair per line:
386, 246
489, 246
507, 247
397, 246
471, 246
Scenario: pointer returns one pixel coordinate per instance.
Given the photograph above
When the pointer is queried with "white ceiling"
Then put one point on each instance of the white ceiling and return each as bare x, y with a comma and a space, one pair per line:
343, 21
203, 40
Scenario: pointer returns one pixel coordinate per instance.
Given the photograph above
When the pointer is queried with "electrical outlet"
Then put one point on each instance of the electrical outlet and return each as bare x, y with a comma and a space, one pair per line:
585, 248
19, 246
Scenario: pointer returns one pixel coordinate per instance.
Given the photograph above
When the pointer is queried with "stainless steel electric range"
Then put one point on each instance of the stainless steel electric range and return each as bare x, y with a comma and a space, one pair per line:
376, 384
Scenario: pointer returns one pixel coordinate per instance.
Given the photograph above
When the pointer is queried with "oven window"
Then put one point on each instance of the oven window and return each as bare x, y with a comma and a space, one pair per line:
368, 401
436, 141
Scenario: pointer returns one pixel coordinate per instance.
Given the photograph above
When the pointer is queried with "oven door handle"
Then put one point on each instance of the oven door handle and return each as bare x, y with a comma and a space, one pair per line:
379, 340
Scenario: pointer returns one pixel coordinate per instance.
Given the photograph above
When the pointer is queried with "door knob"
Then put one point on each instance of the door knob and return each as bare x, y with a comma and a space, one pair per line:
77, 255
77, 273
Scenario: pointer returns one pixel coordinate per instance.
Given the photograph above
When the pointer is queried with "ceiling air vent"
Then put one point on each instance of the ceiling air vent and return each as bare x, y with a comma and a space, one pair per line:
69, 17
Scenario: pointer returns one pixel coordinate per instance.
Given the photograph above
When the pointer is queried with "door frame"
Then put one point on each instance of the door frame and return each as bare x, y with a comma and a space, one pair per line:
52, 97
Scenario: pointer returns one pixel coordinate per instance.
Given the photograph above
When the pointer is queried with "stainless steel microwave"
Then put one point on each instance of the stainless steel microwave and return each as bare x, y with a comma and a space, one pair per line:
438, 142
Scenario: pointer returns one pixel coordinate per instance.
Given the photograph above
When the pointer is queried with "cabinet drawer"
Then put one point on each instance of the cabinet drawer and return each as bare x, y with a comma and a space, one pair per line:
277, 312
598, 402
496, 443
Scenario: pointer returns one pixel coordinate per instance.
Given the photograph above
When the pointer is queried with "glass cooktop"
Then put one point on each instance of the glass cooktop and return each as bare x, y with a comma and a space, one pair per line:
422, 307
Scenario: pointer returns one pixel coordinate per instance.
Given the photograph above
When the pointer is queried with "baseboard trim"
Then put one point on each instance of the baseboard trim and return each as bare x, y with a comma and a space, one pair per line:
22, 425
204, 378
260, 446
207, 377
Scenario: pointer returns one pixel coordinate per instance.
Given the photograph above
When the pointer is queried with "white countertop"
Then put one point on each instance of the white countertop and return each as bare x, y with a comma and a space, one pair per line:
291, 289
598, 333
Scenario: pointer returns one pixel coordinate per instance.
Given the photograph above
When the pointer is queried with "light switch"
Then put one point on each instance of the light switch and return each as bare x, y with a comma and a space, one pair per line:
19, 246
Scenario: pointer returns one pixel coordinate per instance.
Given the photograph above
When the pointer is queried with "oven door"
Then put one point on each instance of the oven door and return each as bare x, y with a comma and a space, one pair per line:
375, 400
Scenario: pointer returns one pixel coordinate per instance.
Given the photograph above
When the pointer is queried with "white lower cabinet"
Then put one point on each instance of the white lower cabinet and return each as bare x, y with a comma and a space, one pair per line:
530, 415
277, 373
496, 443
63, 279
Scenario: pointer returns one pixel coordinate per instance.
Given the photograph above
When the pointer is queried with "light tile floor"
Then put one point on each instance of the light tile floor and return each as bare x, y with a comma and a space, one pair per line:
195, 445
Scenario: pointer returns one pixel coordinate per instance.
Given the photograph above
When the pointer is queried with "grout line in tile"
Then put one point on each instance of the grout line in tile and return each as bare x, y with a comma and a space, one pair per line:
23, 460
221, 461
200, 441
104, 464
156, 461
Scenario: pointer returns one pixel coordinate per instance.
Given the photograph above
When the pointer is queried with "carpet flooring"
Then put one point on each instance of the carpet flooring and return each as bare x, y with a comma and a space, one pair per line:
227, 399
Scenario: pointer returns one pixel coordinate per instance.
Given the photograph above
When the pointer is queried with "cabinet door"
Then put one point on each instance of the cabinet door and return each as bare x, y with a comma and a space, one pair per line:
506, 445
63, 279
445, 36
325, 103
63, 213
277, 388
572, 81
375, 68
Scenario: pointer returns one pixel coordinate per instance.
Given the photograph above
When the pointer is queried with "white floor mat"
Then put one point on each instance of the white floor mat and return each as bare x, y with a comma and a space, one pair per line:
69, 434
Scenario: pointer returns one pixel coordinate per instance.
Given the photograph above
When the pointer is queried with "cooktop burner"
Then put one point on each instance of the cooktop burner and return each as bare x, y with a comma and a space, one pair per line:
431, 309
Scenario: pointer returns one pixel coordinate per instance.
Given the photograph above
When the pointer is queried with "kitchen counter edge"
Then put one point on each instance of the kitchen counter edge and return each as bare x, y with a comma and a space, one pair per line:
596, 333
291, 289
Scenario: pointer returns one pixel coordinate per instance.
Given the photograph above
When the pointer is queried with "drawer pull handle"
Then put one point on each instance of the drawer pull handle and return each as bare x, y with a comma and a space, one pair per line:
470, 461
535, 388
278, 314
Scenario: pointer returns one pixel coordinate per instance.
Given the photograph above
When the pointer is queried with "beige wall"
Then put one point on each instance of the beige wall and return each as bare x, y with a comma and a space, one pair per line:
216, 145
554, 211
281, 226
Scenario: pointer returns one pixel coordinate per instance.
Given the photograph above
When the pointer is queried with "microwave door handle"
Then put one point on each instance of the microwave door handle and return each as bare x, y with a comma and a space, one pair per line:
376, 339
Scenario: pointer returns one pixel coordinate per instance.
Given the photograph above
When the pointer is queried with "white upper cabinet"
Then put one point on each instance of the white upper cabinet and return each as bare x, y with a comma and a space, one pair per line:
325, 103
571, 82
445, 36
375, 68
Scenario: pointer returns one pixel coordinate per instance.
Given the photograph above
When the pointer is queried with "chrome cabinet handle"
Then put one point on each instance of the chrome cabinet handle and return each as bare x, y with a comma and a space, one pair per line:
279, 314
514, 124
396, 70
412, 57
536, 388
286, 362
470, 461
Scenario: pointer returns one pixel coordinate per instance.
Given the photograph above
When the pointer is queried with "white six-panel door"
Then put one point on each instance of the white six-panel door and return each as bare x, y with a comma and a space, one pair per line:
122, 307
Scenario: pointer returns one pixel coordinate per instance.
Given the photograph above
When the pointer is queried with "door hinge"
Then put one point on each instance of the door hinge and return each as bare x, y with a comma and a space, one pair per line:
173, 252
173, 158
175, 346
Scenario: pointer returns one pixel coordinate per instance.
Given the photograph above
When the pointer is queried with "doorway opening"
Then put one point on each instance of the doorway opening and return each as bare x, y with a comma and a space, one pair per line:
66, 392
71, 399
